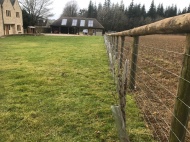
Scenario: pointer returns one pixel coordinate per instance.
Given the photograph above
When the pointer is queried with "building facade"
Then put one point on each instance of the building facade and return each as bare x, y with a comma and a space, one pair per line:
75, 25
11, 21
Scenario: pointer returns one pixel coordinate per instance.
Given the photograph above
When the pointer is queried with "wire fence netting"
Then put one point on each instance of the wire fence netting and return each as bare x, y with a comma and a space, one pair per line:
157, 74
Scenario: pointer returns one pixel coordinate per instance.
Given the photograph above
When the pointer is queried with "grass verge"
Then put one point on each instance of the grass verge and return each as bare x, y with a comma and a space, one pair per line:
58, 89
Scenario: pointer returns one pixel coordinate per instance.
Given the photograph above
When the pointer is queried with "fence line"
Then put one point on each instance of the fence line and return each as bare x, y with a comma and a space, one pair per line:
152, 74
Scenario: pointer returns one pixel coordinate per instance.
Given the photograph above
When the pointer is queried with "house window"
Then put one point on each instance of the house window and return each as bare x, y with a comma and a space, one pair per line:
18, 28
64, 22
17, 15
74, 23
90, 23
82, 23
8, 13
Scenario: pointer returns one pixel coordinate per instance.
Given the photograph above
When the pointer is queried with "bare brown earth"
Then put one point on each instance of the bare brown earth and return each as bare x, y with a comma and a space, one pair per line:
158, 69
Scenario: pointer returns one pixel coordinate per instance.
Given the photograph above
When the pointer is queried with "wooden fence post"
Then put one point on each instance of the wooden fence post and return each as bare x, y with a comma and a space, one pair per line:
120, 62
120, 124
134, 63
124, 77
117, 45
121, 54
112, 40
181, 110
114, 58
120, 82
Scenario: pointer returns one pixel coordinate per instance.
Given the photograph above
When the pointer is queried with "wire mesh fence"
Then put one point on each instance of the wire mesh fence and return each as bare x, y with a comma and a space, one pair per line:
155, 69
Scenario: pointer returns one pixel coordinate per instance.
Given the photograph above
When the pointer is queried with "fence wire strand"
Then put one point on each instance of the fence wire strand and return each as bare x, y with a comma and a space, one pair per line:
149, 91
163, 104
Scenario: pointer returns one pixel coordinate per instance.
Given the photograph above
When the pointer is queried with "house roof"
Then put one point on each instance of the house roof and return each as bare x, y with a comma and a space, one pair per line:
44, 22
1, 1
12, 1
68, 22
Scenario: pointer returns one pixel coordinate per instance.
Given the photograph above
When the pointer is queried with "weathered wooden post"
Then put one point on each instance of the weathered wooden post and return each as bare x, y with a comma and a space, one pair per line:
116, 48
120, 59
114, 58
123, 90
119, 111
124, 78
121, 52
181, 110
114, 44
134, 63
120, 124
121, 95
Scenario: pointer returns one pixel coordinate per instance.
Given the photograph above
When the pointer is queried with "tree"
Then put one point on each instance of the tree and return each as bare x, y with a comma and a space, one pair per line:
70, 9
152, 11
122, 6
107, 3
171, 11
188, 9
100, 6
135, 15
36, 9
92, 10
160, 10
26, 19
83, 13
184, 10
129, 11
118, 17
143, 11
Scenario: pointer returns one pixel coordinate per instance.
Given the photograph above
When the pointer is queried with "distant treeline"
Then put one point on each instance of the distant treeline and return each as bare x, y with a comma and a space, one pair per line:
117, 17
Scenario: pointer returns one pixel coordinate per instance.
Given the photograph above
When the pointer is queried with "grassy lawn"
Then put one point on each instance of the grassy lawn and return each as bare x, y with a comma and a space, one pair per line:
59, 89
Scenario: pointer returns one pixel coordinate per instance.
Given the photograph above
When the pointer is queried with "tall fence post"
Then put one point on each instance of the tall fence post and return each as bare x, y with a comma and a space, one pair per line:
134, 63
117, 45
123, 136
119, 111
121, 95
181, 110
121, 52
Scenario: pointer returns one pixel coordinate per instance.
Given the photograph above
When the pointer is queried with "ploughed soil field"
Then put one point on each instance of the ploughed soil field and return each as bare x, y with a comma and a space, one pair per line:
158, 70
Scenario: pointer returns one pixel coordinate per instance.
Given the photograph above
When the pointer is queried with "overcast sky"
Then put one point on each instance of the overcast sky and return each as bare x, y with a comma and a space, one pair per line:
58, 5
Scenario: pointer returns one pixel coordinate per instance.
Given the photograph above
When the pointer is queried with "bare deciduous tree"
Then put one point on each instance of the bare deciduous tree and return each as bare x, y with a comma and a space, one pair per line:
70, 9
37, 9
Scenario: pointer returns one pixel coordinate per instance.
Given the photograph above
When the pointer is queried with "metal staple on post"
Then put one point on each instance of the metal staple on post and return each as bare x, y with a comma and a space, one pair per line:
134, 63
181, 110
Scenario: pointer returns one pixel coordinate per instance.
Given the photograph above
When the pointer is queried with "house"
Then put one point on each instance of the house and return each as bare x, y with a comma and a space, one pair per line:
74, 25
10, 17
43, 25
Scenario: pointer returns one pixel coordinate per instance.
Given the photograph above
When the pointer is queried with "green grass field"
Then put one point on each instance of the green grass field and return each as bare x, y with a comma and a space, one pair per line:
59, 89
